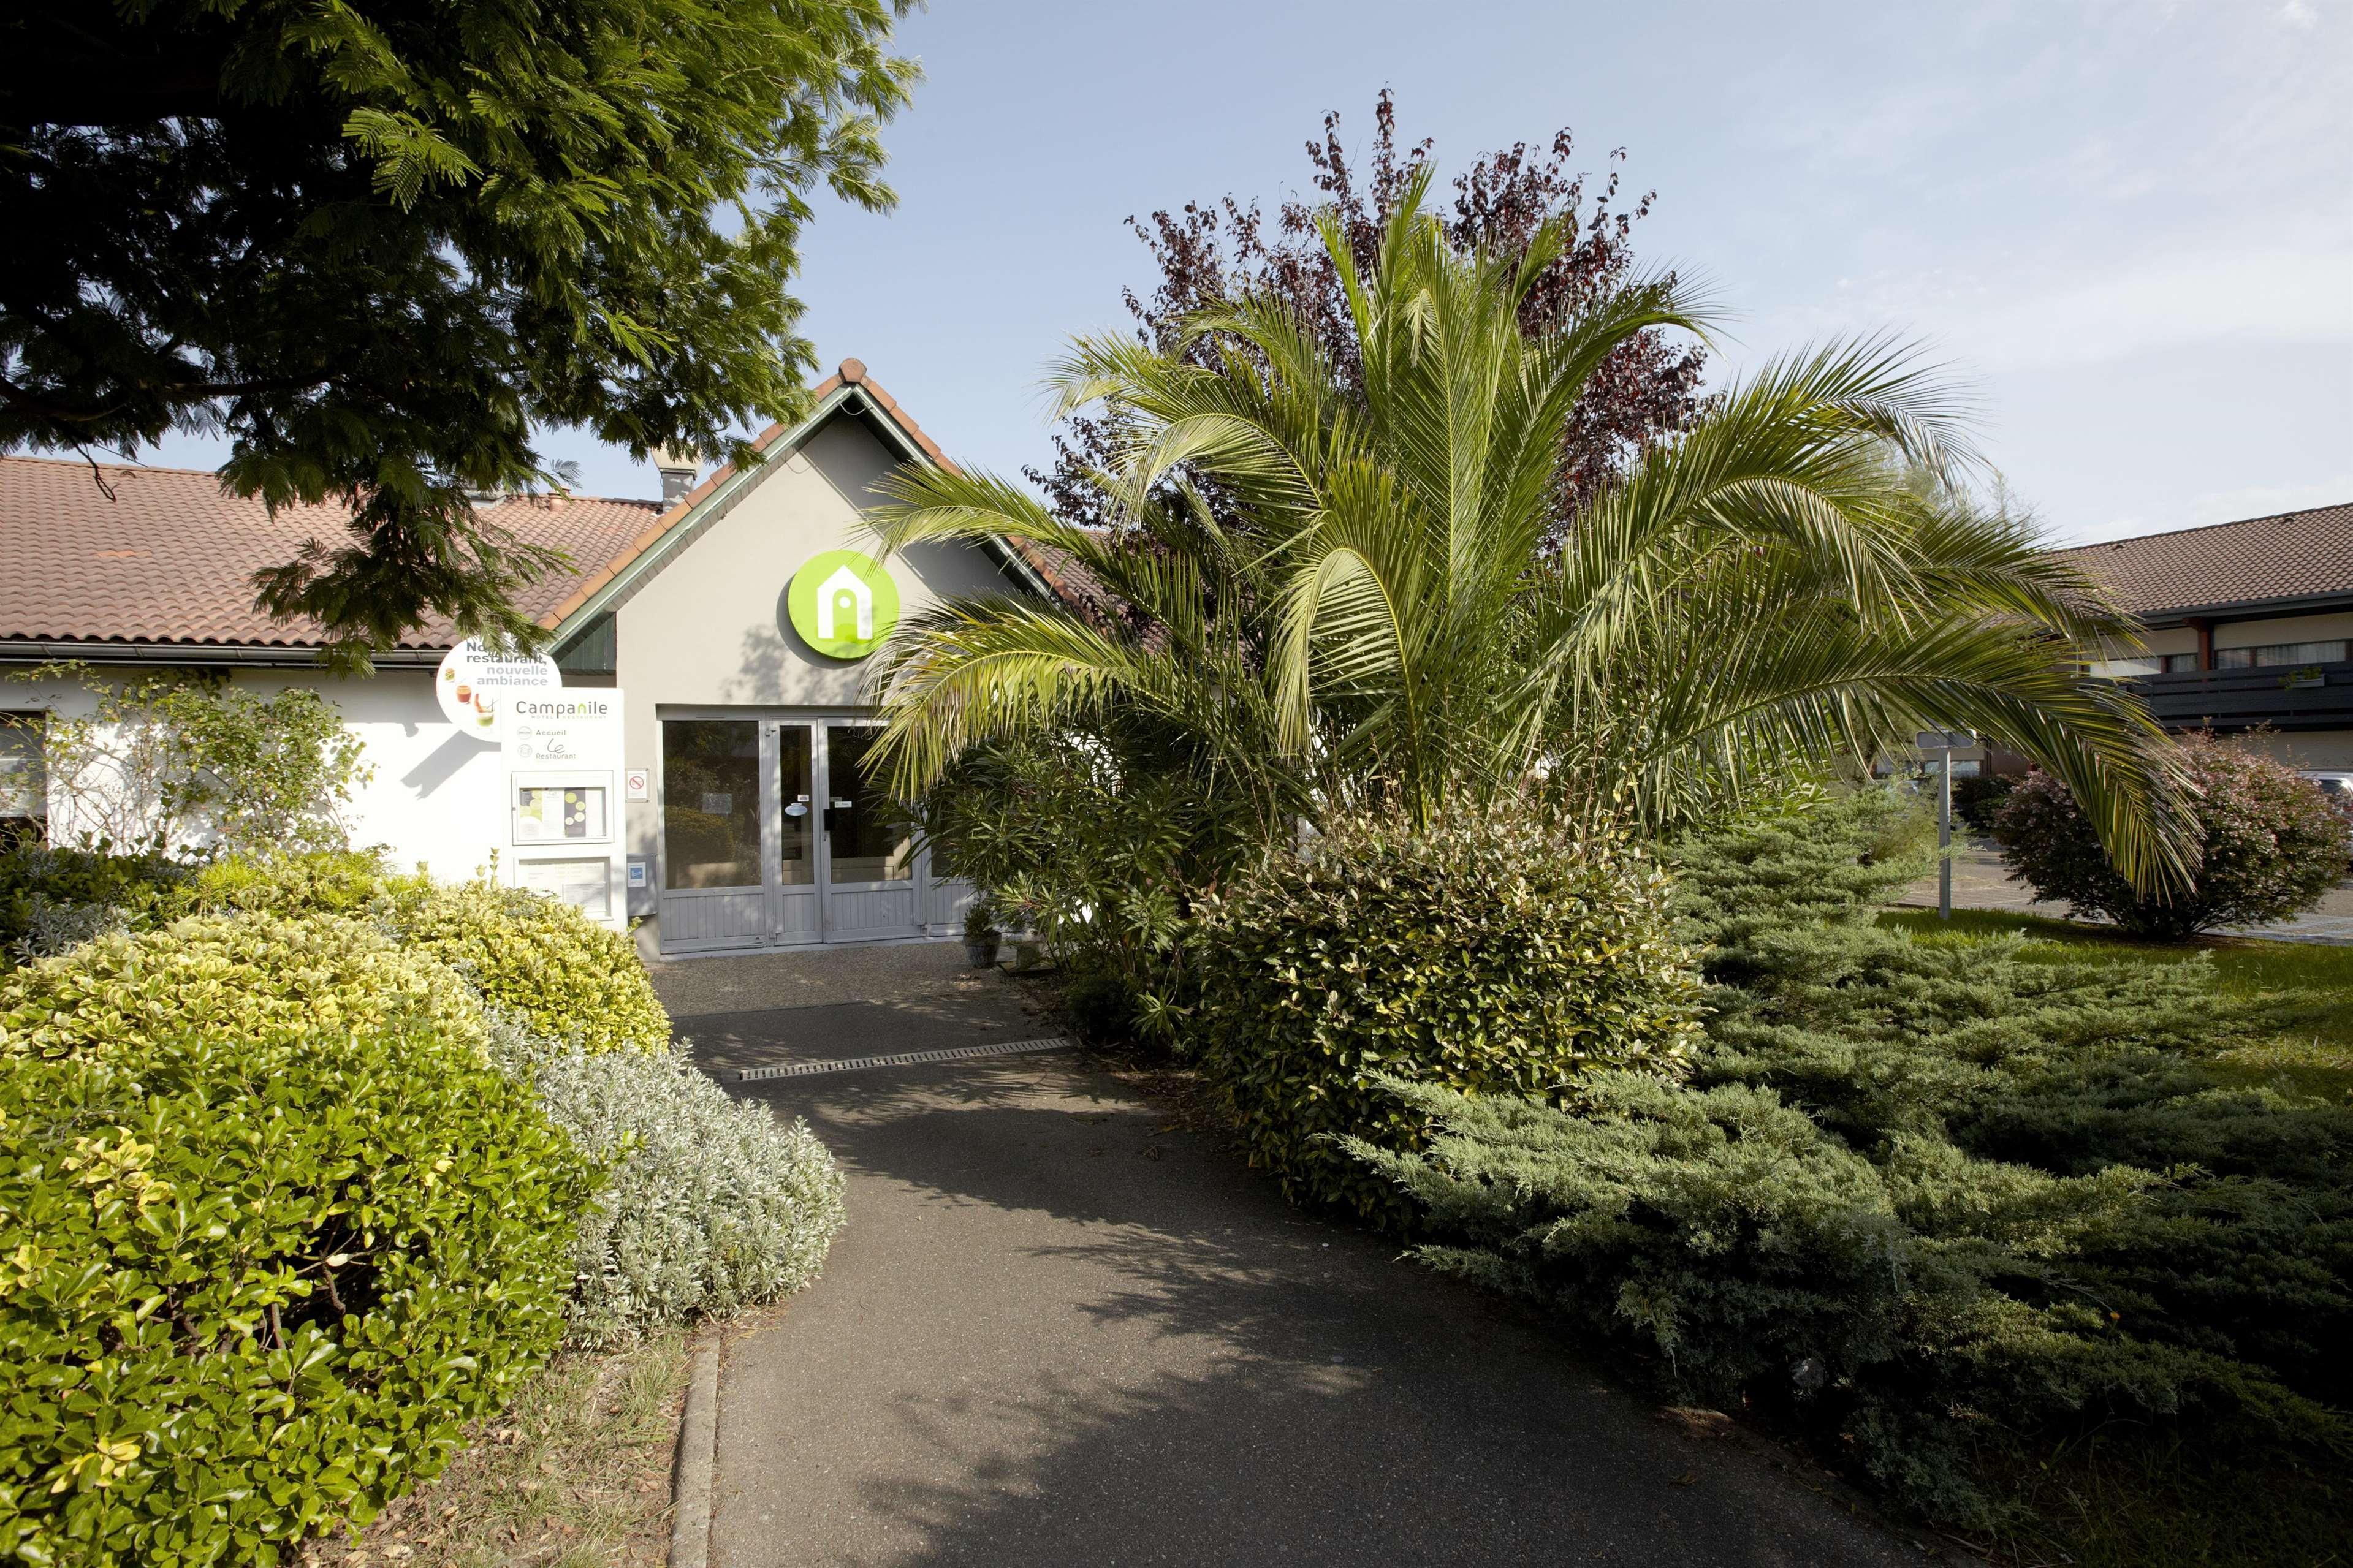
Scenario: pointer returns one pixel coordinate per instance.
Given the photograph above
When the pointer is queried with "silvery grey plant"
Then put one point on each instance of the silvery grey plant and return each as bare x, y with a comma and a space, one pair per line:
709, 1205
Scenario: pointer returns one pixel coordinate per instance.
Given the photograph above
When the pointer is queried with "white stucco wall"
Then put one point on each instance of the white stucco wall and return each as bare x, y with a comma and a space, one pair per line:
433, 797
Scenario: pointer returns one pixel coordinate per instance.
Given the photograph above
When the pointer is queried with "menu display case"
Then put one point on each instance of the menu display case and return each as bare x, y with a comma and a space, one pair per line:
563, 754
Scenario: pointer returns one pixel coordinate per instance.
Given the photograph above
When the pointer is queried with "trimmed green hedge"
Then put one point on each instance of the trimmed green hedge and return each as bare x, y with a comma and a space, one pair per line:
1494, 954
529, 956
546, 961
271, 1230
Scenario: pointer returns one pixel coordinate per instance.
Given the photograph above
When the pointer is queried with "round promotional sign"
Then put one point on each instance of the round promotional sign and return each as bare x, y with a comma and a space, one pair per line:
843, 604
475, 685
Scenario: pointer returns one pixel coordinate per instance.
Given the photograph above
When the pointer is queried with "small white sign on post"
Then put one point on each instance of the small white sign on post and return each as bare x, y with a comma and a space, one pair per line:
561, 752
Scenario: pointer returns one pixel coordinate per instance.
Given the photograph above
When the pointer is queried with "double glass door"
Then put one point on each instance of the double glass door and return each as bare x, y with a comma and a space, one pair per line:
775, 831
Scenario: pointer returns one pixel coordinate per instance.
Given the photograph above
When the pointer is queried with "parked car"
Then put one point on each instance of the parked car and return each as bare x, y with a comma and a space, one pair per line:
2336, 784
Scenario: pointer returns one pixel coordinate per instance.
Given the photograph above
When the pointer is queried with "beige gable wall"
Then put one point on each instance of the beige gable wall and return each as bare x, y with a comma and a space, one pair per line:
710, 628
2287, 628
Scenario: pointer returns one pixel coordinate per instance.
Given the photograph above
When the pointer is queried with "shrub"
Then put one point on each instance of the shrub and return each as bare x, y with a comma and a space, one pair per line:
1495, 952
192, 763
1091, 844
272, 1230
2267, 846
709, 1206
334, 882
528, 955
1935, 1201
1976, 799
53, 899
540, 959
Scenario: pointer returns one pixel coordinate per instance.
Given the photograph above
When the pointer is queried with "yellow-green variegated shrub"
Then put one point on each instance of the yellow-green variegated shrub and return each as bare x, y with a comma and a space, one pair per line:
531, 956
1493, 952
538, 960
271, 1230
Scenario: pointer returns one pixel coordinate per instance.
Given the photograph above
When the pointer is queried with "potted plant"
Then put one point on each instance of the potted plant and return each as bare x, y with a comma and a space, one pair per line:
980, 935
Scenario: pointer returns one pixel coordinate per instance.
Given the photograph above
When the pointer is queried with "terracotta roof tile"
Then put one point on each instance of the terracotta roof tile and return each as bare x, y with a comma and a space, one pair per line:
2292, 555
170, 559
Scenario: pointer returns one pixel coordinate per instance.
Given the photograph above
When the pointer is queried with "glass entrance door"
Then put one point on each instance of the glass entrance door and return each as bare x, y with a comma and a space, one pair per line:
870, 853
796, 898
714, 850
776, 833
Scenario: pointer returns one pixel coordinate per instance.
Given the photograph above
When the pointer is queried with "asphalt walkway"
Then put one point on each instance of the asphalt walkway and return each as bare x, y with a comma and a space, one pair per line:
1058, 1331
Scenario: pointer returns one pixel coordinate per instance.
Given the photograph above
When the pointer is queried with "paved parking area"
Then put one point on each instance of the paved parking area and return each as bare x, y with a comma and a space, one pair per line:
1060, 1331
1980, 881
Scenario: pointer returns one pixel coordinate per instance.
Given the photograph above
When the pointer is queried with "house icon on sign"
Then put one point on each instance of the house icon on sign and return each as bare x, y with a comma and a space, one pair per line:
844, 597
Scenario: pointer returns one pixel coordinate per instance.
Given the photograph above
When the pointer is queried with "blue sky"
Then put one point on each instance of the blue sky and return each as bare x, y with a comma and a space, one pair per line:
2128, 226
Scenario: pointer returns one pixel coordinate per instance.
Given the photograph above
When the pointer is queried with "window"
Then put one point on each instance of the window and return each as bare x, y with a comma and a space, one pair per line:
2269, 654
24, 780
2177, 663
711, 803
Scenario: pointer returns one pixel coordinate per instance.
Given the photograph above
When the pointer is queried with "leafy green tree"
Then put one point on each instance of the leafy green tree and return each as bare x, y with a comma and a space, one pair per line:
381, 244
1797, 579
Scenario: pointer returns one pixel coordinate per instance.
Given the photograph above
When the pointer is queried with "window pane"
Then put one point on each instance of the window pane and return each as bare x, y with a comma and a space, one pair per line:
2234, 658
800, 804
2174, 663
711, 803
2301, 653
24, 780
866, 840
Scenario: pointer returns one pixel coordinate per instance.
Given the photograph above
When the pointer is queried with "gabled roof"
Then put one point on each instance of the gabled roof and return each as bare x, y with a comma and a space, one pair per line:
137, 555
2289, 558
126, 558
849, 390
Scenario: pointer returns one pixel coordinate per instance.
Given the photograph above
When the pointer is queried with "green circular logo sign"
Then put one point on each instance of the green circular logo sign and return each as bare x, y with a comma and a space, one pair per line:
843, 604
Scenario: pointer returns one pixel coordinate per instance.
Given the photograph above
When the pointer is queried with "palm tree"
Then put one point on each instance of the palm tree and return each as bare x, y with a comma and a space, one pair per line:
1330, 591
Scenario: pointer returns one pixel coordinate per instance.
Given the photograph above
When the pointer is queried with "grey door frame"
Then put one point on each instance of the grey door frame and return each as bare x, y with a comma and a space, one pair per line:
777, 899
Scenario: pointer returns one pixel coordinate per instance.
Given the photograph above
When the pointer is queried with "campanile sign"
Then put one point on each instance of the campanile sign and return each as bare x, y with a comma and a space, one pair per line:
842, 604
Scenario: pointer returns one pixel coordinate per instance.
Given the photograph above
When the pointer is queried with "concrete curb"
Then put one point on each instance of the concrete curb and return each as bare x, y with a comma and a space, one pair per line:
698, 1447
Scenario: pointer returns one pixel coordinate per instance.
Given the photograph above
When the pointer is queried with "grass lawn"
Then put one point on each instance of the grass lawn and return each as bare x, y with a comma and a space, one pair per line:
2116, 1500
2312, 987
575, 1474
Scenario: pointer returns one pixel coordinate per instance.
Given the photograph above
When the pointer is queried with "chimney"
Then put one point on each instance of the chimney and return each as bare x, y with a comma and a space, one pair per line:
678, 471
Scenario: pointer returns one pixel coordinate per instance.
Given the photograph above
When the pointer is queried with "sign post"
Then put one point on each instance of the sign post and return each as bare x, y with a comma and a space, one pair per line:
1943, 741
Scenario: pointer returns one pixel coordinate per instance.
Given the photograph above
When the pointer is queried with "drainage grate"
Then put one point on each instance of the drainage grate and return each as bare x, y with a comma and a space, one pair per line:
908, 1058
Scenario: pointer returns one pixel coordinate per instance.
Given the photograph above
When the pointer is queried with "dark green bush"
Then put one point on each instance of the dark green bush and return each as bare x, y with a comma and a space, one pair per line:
1494, 954
1092, 844
1937, 1200
52, 900
1977, 799
2267, 846
272, 1231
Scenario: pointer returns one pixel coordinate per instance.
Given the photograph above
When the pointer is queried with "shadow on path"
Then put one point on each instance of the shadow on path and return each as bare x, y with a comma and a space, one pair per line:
1057, 1333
